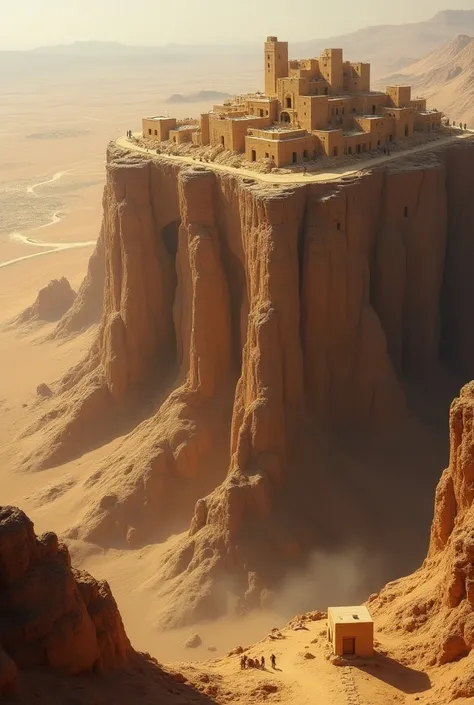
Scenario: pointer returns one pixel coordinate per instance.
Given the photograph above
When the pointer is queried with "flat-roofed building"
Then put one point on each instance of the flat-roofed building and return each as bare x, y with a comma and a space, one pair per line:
351, 631
328, 100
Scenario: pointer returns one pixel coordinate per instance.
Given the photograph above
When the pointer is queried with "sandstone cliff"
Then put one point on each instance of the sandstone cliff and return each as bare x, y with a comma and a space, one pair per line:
435, 605
257, 322
50, 614
87, 306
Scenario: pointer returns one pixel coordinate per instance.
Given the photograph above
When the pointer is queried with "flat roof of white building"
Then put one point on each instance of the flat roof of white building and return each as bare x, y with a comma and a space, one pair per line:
358, 614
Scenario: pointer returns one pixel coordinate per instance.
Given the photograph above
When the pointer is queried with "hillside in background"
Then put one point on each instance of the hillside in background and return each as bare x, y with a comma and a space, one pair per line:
387, 47
445, 77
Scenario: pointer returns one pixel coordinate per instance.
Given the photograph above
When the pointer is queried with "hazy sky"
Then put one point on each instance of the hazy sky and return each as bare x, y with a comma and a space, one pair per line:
29, 23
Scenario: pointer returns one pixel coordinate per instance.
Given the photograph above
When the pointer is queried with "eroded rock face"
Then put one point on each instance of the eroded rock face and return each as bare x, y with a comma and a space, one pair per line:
262, 318
50, 614
52, 302
435, 605
87, 306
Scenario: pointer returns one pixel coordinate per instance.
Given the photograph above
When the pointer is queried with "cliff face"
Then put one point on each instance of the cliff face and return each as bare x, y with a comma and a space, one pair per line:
51, 615
255, 318
434, 607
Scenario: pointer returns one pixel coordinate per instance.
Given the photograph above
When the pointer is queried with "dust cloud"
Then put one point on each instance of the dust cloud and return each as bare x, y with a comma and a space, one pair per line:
346, 577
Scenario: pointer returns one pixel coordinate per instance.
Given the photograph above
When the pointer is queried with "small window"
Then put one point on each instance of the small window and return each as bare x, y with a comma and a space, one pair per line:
295, 157
149, 132
261, 113
349, 150
266, 155
156, 132
222, 140
405, 212
254, 155
268, 66
378, 143
305, 154
353, 110
335, 152
288, 102
338, 225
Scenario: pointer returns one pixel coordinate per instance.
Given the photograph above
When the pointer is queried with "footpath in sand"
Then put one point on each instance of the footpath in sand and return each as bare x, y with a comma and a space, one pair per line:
296, 178
304, 674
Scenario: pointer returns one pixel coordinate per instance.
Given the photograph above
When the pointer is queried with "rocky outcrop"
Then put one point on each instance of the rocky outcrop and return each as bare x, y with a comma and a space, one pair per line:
51, 303
50, 614
435, 605
254, 322
87, 307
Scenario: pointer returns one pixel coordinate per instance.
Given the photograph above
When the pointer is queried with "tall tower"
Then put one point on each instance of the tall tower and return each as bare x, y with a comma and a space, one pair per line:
276, 64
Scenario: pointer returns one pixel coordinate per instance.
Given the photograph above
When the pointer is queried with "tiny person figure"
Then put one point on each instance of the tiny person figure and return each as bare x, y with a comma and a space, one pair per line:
273, 661
305, 170
243, 662
262, 663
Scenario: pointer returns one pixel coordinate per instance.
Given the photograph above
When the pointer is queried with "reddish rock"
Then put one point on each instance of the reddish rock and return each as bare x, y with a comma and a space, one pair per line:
8, 675
56, 617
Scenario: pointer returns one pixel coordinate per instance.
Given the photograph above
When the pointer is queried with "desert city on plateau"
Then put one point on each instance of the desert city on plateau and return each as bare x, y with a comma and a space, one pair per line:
237, 346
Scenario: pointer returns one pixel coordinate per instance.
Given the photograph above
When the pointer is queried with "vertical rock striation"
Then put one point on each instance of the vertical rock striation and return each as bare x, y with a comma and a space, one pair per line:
253, 318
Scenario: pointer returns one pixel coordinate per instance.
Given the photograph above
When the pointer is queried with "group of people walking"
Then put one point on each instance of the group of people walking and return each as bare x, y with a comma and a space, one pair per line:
246, 662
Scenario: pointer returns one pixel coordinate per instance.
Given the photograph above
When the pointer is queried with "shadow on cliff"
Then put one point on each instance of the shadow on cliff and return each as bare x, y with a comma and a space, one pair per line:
142, 681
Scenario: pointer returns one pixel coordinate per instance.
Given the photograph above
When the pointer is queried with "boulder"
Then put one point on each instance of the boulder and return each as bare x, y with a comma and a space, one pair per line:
193, 642
42, 390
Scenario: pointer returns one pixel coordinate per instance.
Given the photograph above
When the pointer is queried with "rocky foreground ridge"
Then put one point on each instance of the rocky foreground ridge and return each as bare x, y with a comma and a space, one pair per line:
256, 321
52, 615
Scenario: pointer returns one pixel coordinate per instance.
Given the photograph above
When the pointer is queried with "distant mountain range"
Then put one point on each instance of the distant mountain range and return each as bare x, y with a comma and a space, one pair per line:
445, 77
387, 47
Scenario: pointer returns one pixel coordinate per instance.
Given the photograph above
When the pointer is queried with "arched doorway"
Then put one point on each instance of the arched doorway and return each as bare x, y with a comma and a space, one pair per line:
284, 117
